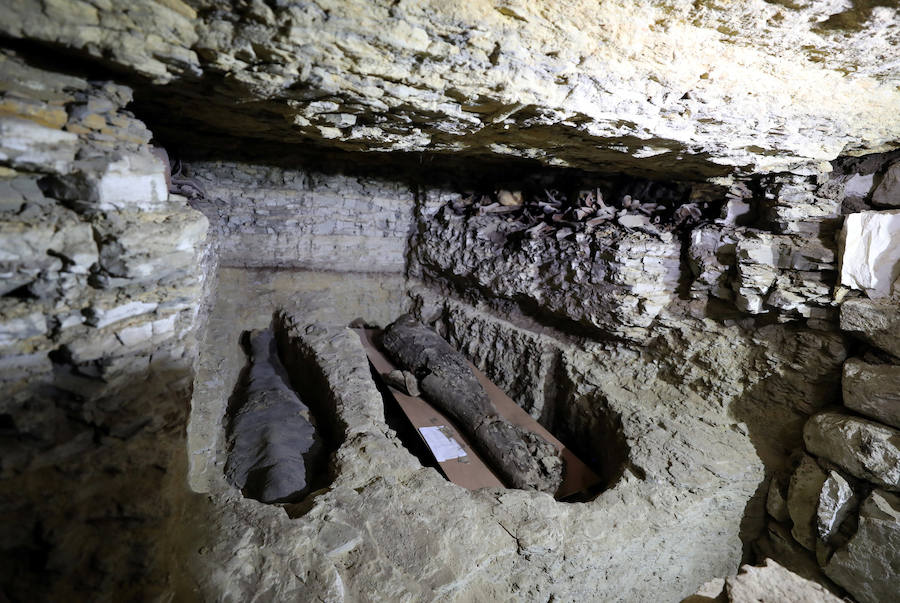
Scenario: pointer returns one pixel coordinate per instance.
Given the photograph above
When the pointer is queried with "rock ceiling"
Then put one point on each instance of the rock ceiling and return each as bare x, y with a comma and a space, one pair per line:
665, 88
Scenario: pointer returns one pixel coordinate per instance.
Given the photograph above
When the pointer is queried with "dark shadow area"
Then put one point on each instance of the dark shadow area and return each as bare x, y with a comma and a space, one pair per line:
398, 421
591, 429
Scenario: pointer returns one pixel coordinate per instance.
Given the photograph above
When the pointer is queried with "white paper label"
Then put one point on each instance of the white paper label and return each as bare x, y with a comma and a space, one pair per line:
442, 446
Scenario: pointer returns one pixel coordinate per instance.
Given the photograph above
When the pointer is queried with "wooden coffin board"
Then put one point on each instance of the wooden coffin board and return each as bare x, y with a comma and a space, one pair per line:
469, 471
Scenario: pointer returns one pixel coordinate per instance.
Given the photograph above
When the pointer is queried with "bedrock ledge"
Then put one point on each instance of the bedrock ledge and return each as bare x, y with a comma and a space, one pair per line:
386, 520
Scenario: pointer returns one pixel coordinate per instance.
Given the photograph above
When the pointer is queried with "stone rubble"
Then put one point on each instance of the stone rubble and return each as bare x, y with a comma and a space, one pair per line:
869, 566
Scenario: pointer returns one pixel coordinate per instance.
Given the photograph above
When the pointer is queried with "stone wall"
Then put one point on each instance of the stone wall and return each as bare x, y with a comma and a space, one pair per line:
751, 322
287, 218
840, 502
101, 275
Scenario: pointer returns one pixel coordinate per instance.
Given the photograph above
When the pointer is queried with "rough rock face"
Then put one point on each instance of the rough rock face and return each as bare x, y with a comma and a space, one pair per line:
267, 216
699, 87
869, 566
803, 500
887, 192
874, 321
771, 583
866, 449
615, 281
684, 369
102, 274
873, 390
836, 500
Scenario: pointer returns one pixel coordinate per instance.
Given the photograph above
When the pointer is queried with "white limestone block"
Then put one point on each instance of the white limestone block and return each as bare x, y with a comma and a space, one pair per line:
26, 144
101, 317
870, 252
836, 500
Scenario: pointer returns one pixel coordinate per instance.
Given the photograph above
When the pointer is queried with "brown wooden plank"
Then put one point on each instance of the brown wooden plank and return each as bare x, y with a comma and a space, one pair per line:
470, 471
577, 476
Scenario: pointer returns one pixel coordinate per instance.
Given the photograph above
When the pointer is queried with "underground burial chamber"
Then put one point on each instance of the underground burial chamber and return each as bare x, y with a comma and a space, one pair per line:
717, 336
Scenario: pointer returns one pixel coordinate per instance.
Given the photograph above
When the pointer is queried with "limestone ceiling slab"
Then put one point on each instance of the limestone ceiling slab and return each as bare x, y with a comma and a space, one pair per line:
671, 87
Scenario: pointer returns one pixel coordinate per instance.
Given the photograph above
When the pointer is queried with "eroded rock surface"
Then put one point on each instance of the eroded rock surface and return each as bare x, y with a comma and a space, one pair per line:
836, 500
866, 449
869, 566
103, 276
772, 583
803, 499
699, 88
874, 321
873, 390
615, 281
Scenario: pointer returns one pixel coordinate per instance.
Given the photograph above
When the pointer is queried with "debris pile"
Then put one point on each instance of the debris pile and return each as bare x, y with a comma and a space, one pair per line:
552, 213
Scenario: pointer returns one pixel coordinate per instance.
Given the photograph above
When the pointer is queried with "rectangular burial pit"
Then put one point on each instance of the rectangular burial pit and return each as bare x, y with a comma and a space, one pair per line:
453, 450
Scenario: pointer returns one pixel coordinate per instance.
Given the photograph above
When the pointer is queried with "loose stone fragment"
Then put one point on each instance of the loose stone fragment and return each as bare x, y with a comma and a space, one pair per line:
869, 566
772, 583
866, 449
836, 500
873, 390
272, 439
803, 497
524, 459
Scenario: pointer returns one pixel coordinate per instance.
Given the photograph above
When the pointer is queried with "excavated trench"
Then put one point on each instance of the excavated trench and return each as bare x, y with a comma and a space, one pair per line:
592, 388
